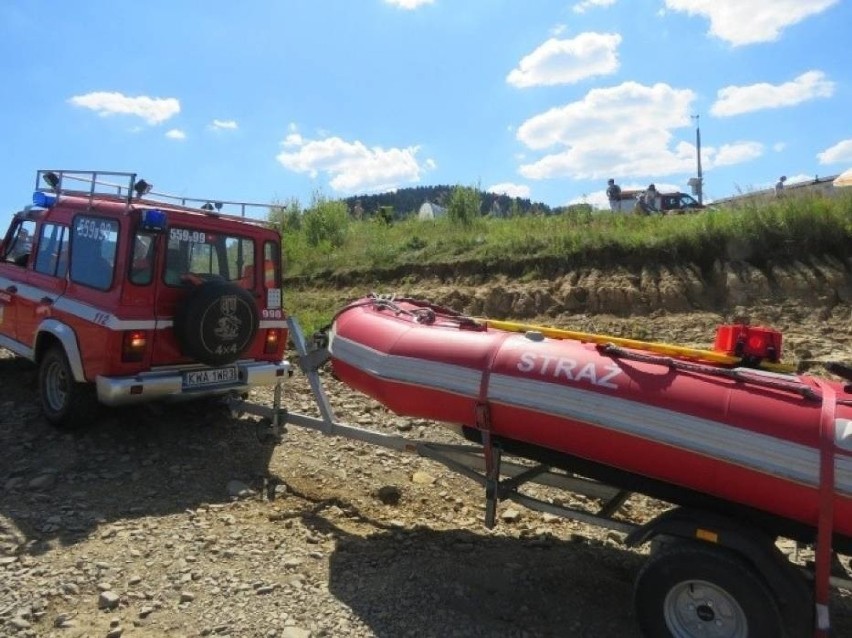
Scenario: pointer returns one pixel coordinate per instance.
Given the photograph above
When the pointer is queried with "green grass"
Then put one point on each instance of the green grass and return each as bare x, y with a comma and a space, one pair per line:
770, 230
532, 247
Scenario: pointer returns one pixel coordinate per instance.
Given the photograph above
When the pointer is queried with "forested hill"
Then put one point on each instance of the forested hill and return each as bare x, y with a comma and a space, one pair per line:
406, 201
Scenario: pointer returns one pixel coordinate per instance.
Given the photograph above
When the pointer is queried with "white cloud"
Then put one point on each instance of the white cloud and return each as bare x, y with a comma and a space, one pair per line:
352, 166
153, 110
176, 134
740, 22
222, 125
779, 146
409, 4
598, 199
737, 153
622, 131
582, 7
510, 189
839, 153
293, 138
630, 108
568, 61
734, 100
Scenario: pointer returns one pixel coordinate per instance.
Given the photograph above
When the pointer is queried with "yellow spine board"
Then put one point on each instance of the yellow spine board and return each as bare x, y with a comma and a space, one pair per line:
668, 349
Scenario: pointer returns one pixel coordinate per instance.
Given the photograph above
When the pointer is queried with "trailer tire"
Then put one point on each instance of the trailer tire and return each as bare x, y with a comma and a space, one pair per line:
690, 589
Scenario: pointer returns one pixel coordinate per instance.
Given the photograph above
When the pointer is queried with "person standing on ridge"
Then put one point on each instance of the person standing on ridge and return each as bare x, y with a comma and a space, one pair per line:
613, 194
779, 186
647, 203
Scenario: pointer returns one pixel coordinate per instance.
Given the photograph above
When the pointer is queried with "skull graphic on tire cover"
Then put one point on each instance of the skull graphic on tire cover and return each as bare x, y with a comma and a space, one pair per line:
216, 322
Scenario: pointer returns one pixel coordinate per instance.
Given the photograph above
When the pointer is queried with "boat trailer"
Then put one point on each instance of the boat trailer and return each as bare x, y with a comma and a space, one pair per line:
803, 589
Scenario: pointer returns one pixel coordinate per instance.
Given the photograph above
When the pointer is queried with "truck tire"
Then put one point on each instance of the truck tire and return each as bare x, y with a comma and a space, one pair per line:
690, 589
216, 322
64, 402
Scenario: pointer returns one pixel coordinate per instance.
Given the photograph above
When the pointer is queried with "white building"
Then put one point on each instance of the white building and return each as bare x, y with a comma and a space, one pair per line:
428, 210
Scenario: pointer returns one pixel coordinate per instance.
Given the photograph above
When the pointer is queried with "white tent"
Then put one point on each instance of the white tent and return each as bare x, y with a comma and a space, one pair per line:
844, 179
428, 210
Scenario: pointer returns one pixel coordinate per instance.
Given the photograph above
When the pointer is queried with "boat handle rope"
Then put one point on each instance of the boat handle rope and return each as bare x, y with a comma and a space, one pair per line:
426, 312
729, 373
373, 299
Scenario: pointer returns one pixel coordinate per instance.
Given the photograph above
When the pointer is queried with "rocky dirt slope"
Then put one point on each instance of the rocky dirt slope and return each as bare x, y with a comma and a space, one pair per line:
183, 522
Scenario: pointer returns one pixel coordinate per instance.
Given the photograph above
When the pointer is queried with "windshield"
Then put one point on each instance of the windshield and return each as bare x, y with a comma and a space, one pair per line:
208, 254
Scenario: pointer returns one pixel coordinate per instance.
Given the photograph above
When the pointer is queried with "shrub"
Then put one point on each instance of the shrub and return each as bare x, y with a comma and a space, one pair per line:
286, 216
385, 215
415, 242
326, 221
465, 205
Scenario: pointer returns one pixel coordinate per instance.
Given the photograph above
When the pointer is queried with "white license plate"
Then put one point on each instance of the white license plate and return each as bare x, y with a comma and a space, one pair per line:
216, 376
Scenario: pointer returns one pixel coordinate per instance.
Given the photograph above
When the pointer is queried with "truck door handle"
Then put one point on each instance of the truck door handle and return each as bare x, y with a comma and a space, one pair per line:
46, 300
13, 289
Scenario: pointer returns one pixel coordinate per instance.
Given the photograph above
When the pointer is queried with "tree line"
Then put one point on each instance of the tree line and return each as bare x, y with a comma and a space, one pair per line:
407, 201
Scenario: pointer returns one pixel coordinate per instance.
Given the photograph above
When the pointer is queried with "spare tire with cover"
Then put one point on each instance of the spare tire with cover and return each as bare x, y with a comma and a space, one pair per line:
216, 322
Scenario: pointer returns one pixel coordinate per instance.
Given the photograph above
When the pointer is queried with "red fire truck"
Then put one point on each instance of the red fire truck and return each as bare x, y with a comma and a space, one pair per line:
121, 295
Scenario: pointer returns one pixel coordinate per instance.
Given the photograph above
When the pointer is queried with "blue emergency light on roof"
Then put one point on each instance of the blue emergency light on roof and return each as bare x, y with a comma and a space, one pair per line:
153, 219
43, 200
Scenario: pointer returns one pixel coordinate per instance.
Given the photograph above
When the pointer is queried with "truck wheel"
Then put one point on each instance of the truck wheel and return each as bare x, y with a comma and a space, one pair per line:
65, 403
689, 590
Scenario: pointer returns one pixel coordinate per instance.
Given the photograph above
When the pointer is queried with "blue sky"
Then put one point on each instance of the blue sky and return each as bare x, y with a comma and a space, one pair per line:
270, 100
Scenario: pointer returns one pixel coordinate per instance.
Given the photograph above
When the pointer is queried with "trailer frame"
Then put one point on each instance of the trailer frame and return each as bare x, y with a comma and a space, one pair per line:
803, 589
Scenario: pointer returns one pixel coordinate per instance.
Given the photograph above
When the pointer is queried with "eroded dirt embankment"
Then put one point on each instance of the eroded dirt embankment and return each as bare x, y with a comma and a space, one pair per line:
624, 292
810, 299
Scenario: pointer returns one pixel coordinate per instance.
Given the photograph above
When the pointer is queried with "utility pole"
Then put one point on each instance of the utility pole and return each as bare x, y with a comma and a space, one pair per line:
698, 182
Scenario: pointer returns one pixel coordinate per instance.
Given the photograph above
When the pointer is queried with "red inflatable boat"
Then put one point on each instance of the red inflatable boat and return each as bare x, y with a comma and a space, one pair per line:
770, 446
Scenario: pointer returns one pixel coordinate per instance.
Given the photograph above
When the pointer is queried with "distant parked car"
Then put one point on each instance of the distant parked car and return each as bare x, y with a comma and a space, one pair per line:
665, 202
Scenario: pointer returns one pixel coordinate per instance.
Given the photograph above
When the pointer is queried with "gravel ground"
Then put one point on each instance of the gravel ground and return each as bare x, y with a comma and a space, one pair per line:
183, 522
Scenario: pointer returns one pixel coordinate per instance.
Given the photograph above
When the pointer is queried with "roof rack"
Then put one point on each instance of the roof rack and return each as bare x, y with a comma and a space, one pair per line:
131, 191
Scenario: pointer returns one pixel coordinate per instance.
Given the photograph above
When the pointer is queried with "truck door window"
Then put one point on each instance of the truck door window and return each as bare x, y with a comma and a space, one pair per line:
271, 259
52, 255
201, 253
142, 259
21, 246
686, 201
201, 259
93, 247
240, 256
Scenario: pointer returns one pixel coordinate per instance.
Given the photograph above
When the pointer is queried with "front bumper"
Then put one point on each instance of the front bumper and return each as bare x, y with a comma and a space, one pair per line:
166, 385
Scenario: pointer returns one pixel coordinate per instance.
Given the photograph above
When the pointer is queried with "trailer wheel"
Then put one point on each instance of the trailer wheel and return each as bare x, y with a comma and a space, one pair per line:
688, 590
